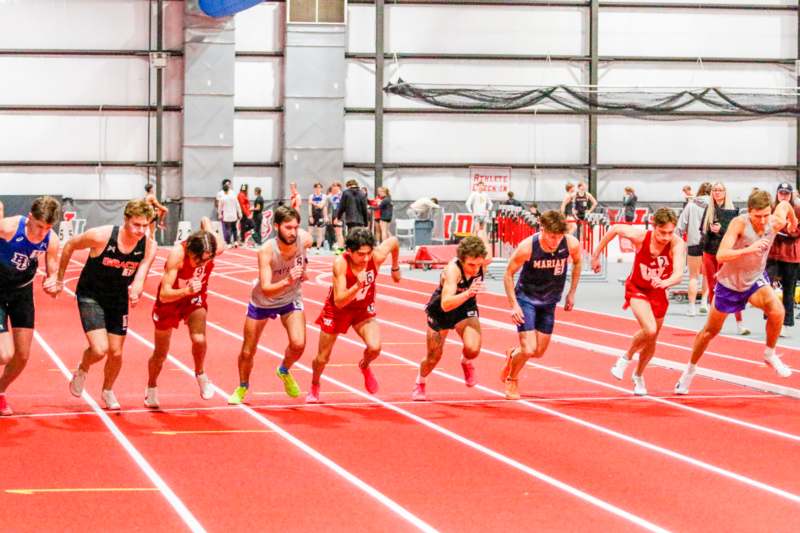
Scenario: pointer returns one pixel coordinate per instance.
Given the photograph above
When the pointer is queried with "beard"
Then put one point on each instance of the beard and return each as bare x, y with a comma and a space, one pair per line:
285, 240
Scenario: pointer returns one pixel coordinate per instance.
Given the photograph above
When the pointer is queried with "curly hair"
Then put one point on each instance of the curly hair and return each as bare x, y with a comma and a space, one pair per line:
139, 208
470, 247
359, 237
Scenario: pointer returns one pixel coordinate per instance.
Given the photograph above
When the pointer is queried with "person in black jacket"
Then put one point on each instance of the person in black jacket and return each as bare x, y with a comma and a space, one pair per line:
352, 207
387, 211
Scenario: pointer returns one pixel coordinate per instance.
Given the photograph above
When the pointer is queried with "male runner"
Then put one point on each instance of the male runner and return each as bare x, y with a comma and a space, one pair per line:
277, 293
351, 302
743, 254
659, 264
159, 210
112, 278
543, 259
22, 240
453, 305
182, 297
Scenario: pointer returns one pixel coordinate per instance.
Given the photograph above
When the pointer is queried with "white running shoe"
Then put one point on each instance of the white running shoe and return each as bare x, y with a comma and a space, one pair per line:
703, 309
77, 382
618, 370
682, 386
741, 329
151, 397
780, 367
639, 388
691, 311
110, 400
784, 333
206, 390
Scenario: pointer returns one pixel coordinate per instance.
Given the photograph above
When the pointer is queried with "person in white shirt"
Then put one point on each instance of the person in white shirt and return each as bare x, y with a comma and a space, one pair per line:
228, 212
479, 205
423, 208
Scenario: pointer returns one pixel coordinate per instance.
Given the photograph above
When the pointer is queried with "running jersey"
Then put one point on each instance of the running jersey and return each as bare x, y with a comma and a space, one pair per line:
280, 270
581, 204
544, 274
334, 199
365, 298
187, 272
107, 276
648, 267
741, 273
435, 302
316, 212
19, 258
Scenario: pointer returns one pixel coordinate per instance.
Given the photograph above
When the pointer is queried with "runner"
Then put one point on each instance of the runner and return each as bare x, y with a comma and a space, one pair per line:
659, 264
160, 211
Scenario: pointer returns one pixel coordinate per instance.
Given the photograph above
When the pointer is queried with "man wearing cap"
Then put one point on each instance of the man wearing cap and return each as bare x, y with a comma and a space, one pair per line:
784, 257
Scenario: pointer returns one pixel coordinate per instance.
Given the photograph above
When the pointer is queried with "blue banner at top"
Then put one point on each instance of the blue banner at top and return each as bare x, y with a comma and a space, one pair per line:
226, 8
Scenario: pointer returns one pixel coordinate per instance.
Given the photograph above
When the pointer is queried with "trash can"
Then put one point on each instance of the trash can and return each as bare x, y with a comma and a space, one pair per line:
423, 230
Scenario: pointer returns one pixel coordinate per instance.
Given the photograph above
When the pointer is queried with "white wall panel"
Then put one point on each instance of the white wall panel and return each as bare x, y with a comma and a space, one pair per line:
80, 183
269, 179
695, 75
476, 29
696, 33
260, 28
109, 80
469, 139
82, 137
361, 77
259, 82
760, 142
665, 185
84, 24
256, 137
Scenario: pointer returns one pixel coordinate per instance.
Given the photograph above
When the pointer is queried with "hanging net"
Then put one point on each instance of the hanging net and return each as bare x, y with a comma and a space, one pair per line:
614, 100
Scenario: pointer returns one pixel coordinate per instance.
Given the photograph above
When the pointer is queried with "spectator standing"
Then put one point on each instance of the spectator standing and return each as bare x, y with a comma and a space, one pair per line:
512, 201
479, 204
386, 211
295, 200
629, 200
258, 215
317, 215
229, 212
246, 223
353, 207
784, 257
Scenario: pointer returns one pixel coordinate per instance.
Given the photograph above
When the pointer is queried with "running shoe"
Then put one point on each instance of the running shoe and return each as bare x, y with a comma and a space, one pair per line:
682, 387
289, 384
77, 382
238, 396
618, 370
512, 389
784, 332
206, 388
703, 309
639, 388
110, 400
780, 367
5, 410
313, 394
370, 383
470, 379
151, 397
742, 330
507, 367
418, 394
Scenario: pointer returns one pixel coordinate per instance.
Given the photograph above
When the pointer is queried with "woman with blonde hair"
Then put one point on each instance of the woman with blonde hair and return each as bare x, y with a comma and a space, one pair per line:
386, 208
718, 215
689, 225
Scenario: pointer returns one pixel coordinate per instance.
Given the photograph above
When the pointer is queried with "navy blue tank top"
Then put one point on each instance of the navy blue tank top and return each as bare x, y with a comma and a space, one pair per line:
107, 277
435, 302
19, 257
543, 277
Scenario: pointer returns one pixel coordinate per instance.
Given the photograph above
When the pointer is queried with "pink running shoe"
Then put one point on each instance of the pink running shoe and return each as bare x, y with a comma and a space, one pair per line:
418, 394
370, 383
470, 379
313, 394
5, 410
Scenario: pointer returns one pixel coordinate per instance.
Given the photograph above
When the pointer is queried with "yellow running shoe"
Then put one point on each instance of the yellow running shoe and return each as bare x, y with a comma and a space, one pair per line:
238, 396
289, 384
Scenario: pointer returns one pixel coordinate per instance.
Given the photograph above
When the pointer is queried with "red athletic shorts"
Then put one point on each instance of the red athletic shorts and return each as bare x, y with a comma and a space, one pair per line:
170, 315
335, 321
656, 297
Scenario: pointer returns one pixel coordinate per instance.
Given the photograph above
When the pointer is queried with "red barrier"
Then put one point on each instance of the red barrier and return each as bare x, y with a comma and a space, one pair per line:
428, 257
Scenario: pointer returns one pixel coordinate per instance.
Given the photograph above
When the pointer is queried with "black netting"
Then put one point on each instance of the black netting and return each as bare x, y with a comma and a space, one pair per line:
617, 101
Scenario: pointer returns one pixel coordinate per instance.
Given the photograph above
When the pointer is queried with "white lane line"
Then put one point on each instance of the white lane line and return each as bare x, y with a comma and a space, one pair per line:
188, 518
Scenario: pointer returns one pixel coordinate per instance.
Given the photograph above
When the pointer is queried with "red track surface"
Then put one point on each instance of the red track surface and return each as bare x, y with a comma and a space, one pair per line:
466, 461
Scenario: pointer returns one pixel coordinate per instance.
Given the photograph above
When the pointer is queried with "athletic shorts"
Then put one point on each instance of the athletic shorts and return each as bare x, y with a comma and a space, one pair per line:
695, 251
481, 219
335, 321
171, 314
264, 313
539, 317
439, 320
110, 316
730, 301
16, 305
656, 297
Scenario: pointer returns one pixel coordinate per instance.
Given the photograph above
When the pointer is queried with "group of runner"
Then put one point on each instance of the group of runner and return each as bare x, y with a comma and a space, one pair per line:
119, 260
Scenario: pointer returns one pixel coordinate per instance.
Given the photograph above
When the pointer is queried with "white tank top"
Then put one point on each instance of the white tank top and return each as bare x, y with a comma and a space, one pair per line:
741, 273
280, 270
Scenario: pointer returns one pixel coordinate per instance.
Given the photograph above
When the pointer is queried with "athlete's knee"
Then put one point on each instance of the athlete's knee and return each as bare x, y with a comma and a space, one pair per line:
6, 355
649, 332
471, 351
198, 339
297, 346
373, 348
247, 352
114, 353
98, 351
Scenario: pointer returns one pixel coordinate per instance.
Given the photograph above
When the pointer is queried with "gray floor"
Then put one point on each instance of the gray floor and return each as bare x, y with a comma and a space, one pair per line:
606, 297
